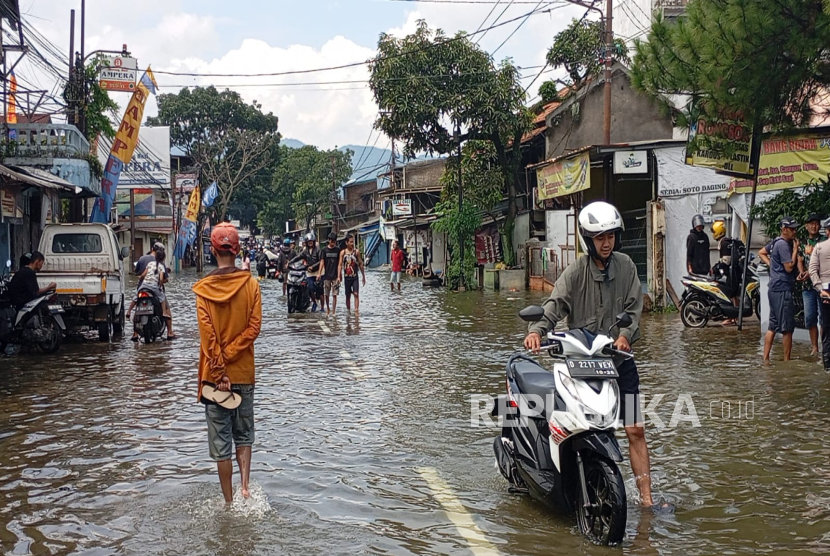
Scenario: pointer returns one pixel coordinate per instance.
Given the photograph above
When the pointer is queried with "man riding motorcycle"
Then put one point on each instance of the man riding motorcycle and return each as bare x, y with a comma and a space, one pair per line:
312, 256
286, 255
589, 294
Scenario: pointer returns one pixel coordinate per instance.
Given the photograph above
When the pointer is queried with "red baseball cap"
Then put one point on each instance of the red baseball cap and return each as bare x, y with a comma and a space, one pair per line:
224, 237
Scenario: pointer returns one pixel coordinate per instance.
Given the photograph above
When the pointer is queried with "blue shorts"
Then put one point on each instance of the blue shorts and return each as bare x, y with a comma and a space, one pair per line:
811, 303
781, 312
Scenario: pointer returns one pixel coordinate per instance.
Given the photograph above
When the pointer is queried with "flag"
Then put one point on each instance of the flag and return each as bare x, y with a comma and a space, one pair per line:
210, 195
187, 232
123, 147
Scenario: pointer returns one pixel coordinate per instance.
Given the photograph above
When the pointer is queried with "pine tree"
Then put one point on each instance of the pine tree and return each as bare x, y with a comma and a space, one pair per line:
767, 59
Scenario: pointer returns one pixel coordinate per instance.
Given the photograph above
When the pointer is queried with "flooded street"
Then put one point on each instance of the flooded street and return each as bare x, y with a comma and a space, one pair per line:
364, 442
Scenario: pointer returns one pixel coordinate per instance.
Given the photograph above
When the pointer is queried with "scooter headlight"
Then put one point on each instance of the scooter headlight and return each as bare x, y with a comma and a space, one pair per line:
593, 417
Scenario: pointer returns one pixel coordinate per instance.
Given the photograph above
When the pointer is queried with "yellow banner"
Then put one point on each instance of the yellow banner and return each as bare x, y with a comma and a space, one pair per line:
721, 144
789, 162
564, 177
126, 138
192, 213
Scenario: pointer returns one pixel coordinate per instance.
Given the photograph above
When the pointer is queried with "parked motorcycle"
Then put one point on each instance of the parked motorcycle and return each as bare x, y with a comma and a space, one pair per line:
557, 442
149, 322
298, 296
37, 324
707, 298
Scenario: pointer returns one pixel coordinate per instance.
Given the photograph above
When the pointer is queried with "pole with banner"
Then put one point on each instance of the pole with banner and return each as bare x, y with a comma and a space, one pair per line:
123, 146
754, 162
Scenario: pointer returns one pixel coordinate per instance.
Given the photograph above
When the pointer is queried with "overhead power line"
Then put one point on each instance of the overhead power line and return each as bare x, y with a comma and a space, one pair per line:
355, 64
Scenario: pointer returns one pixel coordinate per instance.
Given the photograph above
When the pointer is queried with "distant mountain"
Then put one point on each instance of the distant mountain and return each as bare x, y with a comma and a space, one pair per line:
292, 143
368, 161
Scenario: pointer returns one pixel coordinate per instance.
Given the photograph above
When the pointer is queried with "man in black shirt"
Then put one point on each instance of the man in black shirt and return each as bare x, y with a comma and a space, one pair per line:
697, 248
328, 273
23, 286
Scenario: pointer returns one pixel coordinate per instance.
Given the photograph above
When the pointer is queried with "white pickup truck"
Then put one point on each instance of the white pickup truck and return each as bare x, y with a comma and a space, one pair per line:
87, 264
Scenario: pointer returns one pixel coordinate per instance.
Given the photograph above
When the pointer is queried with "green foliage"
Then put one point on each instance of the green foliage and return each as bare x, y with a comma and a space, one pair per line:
303, 184
815, 198
548, 92
233, 143
580, 50
455, 224
766, 58
96, 104
480, 173
426, 83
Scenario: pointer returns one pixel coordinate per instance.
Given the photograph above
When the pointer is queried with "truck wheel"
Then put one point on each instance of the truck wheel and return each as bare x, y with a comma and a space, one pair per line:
105, 329
119, 324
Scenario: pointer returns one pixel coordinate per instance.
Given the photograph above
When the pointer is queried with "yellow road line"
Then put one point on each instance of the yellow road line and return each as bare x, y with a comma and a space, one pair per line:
461, 518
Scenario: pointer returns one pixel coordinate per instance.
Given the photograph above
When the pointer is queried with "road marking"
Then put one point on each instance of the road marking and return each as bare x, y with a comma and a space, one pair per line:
325, 327
345, 354
464, 524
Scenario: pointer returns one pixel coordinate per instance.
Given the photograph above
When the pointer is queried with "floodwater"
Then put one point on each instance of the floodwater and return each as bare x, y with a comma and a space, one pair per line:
364, 442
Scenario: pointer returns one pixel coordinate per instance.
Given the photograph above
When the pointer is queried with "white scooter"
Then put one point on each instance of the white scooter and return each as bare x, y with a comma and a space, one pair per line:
557, 442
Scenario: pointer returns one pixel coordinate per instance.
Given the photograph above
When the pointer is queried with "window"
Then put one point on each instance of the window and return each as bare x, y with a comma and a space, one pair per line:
77, 243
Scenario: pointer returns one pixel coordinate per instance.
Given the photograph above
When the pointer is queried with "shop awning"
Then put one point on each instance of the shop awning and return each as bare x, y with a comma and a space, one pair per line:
38, 178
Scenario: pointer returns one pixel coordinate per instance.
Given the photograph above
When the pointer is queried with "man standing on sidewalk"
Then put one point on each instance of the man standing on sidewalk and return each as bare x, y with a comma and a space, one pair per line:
330, 260
229, 309
398, 258
781, 256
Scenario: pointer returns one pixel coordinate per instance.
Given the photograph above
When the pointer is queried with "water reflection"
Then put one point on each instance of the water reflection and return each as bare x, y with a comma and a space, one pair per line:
103, 446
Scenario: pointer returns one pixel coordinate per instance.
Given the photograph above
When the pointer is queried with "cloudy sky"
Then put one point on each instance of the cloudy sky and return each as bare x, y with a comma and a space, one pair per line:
259, 36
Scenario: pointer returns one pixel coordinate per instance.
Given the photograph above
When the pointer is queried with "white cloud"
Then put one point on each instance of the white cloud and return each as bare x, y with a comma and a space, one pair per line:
317, 113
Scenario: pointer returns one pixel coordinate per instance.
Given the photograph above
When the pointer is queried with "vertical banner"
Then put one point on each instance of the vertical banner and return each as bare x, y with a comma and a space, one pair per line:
123, 146
187, 231
11, 111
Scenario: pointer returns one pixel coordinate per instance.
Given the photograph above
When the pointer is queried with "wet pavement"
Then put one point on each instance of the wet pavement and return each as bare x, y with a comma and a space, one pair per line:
364, 442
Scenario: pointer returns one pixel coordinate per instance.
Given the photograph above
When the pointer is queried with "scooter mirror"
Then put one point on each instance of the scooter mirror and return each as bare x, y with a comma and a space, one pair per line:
624, 320
8, 263
534, 313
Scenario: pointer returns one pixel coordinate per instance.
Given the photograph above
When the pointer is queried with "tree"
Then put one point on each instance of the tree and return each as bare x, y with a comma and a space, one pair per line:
427, 83
483, 181
548, 91
580, 50
766, 59
231, 141
303, 183
94, 103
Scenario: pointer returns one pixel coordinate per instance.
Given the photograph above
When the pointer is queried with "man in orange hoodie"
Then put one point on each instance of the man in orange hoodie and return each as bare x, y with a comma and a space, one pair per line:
229, 309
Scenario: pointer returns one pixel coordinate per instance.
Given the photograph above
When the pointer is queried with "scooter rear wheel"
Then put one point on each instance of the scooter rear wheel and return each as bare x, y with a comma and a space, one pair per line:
602, 517
694, 313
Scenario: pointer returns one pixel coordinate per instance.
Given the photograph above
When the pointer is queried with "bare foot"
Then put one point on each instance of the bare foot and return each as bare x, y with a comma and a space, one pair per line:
814, 351
246, 493
767, 362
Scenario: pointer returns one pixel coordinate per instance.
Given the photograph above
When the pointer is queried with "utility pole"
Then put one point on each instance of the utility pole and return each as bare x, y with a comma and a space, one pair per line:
333, 196
609, 60
462, 283
82, 70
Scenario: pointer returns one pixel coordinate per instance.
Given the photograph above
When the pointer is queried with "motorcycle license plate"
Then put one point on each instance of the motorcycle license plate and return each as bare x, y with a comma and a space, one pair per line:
144, 310
592, 368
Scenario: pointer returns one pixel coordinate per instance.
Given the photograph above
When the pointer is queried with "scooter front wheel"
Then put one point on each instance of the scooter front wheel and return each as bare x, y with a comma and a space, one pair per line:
694, 313
602, 517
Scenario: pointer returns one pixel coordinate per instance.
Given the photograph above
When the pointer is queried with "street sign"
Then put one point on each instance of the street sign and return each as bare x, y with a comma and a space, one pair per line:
186, 182
402, 207
120, 75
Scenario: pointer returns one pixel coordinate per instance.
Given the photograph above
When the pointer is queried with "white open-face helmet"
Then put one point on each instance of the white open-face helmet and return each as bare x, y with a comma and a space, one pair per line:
598, 218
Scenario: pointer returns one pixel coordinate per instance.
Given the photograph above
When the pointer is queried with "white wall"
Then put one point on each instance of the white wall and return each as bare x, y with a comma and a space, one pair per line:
556, 232
631, 18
